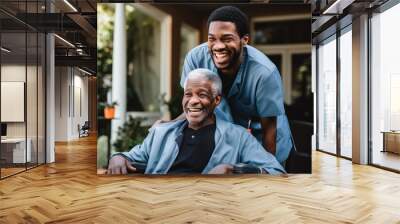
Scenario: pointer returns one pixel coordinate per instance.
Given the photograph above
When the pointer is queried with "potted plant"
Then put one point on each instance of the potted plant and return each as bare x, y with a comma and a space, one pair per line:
109, 110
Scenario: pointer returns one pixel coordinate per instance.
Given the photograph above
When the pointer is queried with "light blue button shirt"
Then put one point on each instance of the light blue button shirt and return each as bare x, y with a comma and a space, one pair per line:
255, 93
233, 145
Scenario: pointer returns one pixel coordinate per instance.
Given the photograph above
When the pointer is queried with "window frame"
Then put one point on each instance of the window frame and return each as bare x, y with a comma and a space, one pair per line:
339, 32
284, 50
165, 61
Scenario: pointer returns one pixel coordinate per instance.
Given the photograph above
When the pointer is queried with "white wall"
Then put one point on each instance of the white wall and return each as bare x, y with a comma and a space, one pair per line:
80, 95
12, 73
61, 103
71, 102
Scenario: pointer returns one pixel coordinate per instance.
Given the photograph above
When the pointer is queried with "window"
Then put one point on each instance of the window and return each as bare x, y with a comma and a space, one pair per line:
346, 93
385, 89
301, 79
143, 55
148, 37
277, 60
327, 96
189, 40
152, 66
279, 31
291, 54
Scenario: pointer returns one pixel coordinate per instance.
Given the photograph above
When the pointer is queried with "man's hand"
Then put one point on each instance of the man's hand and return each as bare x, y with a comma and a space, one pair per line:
222, 169
119, 165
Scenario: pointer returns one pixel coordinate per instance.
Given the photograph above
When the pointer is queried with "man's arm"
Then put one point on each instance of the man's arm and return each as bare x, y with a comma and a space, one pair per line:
268, 126
120, 163
269, 99
253, 153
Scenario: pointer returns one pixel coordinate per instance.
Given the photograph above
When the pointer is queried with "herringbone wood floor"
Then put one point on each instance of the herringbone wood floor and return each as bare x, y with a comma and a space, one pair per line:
69, 191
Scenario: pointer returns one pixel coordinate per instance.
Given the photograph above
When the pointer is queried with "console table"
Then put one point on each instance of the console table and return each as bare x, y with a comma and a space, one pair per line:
391, 141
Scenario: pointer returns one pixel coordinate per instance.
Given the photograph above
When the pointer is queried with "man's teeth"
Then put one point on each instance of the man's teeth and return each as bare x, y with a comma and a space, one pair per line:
218, 55
194, 109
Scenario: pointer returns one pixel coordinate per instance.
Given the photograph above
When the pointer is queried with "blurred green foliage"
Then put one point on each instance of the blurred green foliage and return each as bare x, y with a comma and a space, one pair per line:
130, 134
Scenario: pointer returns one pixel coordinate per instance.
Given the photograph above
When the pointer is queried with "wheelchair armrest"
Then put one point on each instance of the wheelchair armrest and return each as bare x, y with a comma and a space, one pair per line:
140, 167
242, 168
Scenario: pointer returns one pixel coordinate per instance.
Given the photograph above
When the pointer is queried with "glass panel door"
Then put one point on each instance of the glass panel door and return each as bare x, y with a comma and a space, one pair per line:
22, 89
14, 149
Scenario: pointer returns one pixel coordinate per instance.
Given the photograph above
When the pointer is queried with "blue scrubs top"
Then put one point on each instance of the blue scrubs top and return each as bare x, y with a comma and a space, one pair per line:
256, 93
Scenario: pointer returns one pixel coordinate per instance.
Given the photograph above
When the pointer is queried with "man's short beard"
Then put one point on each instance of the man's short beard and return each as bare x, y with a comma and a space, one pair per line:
235, 58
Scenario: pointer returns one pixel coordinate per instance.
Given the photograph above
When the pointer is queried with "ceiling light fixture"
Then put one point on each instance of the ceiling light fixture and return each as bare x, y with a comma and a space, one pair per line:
70, 5
5, 49
64, 40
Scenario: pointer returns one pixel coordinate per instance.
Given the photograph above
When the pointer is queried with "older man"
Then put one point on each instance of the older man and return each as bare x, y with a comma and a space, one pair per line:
202, 143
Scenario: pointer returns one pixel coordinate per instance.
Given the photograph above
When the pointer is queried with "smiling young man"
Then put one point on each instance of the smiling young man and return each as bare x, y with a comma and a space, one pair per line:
252, 85
201, 143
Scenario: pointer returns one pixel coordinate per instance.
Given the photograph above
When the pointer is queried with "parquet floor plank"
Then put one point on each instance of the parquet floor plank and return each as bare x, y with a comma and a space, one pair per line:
69, 191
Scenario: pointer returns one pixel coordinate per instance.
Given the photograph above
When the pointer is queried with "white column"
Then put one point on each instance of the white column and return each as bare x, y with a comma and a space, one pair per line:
360, 90
50, 93
119, 69
166, 61
50, 109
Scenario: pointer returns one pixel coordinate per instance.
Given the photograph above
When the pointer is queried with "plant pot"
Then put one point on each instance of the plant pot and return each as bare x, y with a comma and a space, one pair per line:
109, 112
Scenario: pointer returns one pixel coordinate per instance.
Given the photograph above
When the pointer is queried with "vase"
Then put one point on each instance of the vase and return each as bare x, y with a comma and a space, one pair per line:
109, 112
